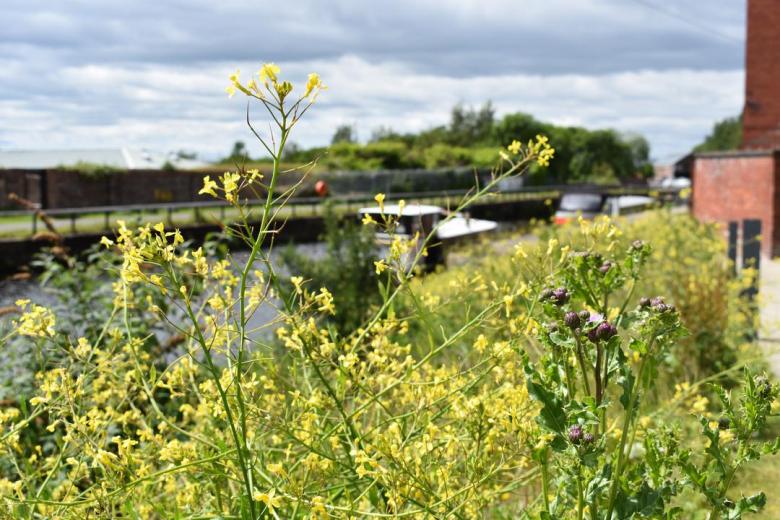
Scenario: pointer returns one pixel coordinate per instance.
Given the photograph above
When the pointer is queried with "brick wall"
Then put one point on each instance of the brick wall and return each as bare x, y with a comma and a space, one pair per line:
733, 186
761, 116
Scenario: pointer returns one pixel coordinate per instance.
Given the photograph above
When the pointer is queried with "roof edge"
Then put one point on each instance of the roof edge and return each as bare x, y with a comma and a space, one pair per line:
737, 153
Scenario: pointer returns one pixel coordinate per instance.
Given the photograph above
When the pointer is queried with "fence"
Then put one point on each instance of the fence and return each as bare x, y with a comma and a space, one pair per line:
97, 218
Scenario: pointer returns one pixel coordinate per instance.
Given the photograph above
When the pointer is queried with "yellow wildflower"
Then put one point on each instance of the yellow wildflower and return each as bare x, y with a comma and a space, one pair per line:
380, 199
208, 187
269, 71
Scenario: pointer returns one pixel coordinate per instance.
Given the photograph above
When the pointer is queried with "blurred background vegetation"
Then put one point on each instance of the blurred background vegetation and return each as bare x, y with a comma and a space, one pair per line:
473, 137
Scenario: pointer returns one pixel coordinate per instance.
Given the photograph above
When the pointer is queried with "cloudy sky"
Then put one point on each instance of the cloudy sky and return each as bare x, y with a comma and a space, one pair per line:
100, 73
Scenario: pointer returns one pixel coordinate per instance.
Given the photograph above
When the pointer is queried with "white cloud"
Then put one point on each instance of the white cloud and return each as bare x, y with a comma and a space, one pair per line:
184, 107
103, 73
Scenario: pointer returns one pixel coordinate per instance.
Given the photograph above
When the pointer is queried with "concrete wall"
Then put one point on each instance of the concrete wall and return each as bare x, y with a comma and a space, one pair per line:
734, 186
761, 117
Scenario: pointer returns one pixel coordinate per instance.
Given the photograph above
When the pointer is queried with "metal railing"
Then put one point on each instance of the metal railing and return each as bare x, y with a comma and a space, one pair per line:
302, 207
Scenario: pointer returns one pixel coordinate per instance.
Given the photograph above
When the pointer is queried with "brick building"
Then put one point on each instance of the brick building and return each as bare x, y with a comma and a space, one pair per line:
761, 115
745, 184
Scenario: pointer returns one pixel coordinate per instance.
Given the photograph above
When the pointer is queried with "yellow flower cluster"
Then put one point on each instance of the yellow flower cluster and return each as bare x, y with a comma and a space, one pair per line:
268, 76
36, 321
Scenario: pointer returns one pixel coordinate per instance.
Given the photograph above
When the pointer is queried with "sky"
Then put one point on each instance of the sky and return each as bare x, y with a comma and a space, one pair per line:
152, 73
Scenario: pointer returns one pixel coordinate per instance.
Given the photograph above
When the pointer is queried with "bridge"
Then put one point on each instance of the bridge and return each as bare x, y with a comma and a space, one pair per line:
77, 228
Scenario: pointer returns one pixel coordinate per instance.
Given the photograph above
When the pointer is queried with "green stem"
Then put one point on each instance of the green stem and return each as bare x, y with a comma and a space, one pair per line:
583, 368
623, 438
545, 490
580, 501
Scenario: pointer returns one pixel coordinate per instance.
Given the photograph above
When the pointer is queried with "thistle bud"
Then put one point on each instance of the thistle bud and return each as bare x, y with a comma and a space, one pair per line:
588, 438
644, 301
605, 267
560, 296
605, 331
584, 316
546, 294
575, 434
724, 423
571, 319
637, 245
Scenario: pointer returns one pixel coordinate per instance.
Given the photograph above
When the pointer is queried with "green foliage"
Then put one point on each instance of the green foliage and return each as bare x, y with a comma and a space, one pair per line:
726, 135
344, 134
91, 170
473, 138
346, 270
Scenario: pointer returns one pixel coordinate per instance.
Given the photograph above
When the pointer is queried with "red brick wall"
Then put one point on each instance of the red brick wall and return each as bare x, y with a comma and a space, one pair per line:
737, 186
761, 117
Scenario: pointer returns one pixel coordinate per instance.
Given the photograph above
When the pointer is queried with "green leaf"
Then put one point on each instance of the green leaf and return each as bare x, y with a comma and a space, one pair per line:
751, 504
552, 415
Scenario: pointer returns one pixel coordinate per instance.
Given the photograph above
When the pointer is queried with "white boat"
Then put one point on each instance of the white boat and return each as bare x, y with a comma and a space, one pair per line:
423, 218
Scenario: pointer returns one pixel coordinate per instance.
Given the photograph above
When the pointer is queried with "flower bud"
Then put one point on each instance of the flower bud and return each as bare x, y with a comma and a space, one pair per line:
644, 301
588, 438
575, 434
584, 316
724, 423
546, 294
605, 267
560, 296
605, 331
571, 319
637, 244
657, 301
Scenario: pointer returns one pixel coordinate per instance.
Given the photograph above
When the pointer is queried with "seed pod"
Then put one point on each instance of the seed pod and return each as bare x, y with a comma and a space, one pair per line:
571, 319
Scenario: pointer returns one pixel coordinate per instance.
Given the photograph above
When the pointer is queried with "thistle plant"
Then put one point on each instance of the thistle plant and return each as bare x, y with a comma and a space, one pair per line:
601, 459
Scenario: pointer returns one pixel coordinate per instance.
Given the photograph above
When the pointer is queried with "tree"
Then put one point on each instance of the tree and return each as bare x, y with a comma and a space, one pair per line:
725, 135
469, 126
344, 134
239, 150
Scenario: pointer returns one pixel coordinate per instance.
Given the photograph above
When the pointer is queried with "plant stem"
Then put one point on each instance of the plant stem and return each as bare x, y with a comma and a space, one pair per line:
545, 490
581, 360
623, 436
